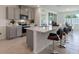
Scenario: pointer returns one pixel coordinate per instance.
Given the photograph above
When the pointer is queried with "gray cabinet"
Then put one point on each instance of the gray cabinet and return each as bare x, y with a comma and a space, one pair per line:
19, 31
13, 12
31, 13
17, 13
13, 31
10, 32
24, 11
10, 12
29, 40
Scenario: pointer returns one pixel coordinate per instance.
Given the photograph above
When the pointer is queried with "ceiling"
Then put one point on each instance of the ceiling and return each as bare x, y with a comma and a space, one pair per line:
58, 8
62, 8
31, 6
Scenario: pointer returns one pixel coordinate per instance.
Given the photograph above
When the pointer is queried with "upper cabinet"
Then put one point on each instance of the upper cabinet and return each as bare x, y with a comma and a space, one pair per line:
10, 13
17, 13
14, 12
31, 13
24, 11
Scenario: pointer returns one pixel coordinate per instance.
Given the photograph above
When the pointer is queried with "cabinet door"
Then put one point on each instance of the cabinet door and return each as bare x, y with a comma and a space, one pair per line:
10, 13
13, 32
31, 13
19, 31
24, 12
30, 39
17, 13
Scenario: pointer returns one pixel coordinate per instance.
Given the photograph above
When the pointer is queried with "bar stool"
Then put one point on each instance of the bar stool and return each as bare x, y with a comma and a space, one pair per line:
60, 34
53, 37
66, 31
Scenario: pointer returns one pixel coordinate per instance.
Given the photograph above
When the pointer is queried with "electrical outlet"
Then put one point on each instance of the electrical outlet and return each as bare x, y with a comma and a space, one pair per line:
0, 33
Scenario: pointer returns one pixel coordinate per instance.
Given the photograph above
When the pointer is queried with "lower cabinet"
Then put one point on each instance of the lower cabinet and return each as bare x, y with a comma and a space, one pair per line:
30, 39
13, 32
19, 31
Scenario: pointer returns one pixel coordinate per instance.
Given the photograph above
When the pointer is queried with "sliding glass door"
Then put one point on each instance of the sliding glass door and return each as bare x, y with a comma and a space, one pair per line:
73, 20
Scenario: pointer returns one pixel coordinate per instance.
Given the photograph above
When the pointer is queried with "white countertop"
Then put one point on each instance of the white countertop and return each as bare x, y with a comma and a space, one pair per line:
43, 29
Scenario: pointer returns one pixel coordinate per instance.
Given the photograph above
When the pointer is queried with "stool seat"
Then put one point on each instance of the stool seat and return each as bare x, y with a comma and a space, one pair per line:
53, 36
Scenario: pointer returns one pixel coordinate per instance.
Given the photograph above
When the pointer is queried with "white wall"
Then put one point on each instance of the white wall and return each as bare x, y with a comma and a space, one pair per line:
2, 22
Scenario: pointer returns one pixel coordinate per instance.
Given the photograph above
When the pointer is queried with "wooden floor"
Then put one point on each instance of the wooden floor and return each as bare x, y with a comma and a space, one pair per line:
14, 46
19, 46
72, 45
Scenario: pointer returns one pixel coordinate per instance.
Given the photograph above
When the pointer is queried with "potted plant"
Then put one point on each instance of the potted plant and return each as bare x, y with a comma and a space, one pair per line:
12, 21
32, 21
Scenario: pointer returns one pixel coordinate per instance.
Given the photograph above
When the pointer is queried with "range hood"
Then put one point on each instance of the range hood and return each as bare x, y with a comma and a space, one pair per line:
22, 16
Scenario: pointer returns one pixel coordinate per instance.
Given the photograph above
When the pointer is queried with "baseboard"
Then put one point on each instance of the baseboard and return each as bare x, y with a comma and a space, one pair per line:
2, 39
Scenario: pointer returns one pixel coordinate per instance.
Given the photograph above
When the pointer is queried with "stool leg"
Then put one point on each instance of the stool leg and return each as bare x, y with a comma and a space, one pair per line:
61, 44
54, 52
53, 46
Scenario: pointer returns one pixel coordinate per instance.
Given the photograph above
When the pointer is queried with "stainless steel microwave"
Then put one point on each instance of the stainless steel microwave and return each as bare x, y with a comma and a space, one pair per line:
25, 17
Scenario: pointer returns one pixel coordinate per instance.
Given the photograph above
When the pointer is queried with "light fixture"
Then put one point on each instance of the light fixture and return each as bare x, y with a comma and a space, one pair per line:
67, 9
77, 15
22, 20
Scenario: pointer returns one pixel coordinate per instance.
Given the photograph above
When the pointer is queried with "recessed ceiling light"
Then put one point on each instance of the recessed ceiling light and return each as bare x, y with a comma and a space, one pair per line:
22, 20
67, 9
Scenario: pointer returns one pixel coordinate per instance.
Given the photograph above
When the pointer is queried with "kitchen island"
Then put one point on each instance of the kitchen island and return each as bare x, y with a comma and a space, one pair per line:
37, 37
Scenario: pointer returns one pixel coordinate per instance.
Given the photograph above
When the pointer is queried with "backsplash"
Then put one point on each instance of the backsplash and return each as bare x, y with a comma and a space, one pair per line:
19, 21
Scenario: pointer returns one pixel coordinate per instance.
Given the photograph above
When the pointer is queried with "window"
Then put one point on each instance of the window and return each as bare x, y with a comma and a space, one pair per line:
51, 17
47, 18
72, 19
43, 20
